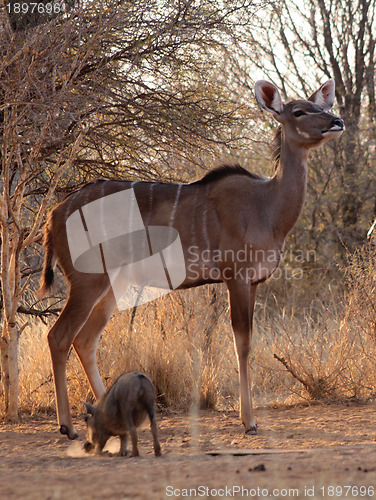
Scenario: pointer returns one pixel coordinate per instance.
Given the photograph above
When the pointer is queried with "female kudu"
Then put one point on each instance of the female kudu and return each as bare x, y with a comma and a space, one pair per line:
239, 217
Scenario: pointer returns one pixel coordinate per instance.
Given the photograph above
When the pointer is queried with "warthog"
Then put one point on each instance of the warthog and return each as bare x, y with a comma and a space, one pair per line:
119, 411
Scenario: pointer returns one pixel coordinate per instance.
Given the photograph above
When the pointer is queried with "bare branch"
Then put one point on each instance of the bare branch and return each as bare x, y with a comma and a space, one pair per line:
60, 170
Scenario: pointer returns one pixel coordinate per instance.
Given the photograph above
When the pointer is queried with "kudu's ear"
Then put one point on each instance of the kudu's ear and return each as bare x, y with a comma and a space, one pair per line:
324, 96
269, 98
89, 408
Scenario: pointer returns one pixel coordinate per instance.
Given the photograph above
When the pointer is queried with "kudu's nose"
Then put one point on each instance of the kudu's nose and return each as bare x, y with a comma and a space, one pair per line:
338, 122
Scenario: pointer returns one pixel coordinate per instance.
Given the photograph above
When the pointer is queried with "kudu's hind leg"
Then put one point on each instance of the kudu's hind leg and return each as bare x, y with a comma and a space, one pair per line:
87, 339
60, 339
242, 299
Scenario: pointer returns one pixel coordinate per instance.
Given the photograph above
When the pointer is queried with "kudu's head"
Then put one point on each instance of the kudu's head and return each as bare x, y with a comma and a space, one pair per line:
305, 123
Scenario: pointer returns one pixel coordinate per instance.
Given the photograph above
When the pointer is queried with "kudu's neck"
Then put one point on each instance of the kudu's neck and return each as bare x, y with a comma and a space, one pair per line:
289, 186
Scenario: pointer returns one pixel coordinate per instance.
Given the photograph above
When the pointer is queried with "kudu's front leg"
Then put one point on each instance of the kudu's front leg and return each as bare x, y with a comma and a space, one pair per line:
242, 300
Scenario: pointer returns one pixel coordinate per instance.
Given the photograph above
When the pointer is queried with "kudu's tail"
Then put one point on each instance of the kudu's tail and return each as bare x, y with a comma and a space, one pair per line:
49, 260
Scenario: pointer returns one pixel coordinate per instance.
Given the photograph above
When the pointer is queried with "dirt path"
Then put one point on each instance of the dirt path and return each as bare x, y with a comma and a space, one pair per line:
298, 449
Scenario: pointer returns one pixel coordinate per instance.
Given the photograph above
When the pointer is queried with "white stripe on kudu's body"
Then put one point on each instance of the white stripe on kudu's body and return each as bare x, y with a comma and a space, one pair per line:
173, 212
227, 212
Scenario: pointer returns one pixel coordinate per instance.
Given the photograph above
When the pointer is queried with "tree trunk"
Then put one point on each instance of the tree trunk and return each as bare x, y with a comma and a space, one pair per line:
9, 371
5, 370
12, 410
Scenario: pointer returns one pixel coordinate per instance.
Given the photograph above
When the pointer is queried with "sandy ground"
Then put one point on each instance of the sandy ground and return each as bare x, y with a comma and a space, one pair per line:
324, 451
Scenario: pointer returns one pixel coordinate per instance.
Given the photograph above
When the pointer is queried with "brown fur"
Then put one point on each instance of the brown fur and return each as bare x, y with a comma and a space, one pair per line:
120, 411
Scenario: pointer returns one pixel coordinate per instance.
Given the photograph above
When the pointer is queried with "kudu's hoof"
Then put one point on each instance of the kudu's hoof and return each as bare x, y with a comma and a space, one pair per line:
72, 434
252, 431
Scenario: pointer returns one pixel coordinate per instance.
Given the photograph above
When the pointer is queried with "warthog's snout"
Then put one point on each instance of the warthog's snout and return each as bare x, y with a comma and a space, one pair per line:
88, 447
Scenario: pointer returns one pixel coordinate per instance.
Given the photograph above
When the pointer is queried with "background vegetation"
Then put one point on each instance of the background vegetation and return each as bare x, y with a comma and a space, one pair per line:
156, 90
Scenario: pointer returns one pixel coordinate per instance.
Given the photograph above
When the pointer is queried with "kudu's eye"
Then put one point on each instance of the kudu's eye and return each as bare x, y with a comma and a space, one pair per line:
298, 113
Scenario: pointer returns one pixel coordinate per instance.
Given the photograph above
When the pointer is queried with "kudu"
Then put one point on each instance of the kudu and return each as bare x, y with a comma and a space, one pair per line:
228, 213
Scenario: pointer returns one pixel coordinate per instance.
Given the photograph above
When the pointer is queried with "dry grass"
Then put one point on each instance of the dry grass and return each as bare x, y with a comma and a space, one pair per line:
172, 339
184, 342
329, 348
36, 384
